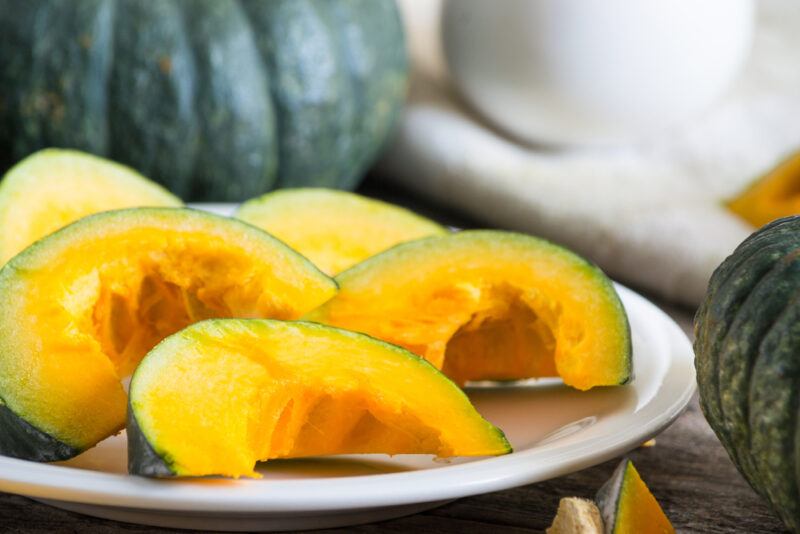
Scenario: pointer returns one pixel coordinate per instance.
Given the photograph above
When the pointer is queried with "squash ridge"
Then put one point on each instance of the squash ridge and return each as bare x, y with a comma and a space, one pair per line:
776, 363
752, 320
716, 327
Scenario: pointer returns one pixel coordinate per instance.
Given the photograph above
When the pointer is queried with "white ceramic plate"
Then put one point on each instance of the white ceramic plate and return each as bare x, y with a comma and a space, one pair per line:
554, 431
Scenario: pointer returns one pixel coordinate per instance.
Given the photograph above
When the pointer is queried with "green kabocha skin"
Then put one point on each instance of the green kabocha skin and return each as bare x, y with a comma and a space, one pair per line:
747, 340
142, 458
216, 99
20, 439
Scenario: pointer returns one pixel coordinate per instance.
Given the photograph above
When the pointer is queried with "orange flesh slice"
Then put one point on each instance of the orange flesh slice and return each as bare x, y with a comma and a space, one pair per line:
483, 305
775, 195
249, 390
54, 187
83, 306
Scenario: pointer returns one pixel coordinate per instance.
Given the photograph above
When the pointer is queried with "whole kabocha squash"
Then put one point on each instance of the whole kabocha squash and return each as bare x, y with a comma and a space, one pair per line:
216, 99
748, 362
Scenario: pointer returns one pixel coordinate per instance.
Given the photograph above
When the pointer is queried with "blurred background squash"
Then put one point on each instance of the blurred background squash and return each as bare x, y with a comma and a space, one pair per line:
216, 99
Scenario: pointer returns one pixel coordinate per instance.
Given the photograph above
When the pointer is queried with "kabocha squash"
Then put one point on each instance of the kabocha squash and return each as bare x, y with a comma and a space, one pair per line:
216, 99
747, 339
489, 305
249, 390
335, 229
773, 196
628, 507
82, 306
52, 188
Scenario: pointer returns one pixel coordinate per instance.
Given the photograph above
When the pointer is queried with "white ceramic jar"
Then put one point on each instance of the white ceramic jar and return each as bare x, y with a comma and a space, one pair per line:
594, 71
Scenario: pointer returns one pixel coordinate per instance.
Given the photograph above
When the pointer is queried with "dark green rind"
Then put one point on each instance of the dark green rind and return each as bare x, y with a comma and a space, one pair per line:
16, 50
151, 114
312, 94
607, 497
142, 459
373, 48
717, 315
238, 149
747, 265
64, 102
746, 346
773, 409
20, 439
739, 350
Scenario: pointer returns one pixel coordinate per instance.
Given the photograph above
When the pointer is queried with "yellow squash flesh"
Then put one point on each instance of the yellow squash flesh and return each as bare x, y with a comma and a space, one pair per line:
250, 390
83, 306
54, 187
335, 229
486, 305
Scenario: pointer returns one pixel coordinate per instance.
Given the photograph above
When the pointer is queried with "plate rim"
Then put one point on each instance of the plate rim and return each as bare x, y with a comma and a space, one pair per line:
71, 484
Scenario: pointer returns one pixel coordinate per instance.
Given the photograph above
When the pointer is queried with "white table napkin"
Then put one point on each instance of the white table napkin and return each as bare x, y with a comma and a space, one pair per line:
650, 214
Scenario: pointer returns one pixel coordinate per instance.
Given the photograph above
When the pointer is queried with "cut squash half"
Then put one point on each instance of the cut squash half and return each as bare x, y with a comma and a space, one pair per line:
772, 196
335, 229
82, 306
250, 390
54, 187
490, 305
628, 507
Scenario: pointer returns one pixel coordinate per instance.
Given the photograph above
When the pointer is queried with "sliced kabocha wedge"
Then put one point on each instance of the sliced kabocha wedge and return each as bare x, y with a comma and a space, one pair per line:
490, 305
54, 187
628, 507
82, 306
335, 229
772, 196
252, 390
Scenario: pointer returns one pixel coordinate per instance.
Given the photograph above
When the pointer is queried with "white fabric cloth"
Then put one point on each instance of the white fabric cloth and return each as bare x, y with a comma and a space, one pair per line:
651, 215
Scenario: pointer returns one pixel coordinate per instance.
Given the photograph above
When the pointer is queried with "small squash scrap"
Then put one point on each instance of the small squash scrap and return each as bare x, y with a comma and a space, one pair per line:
628, 507
576, 516
250, 390
82, 306
490, 305
54, 187
335, 229
774, 195
747, 341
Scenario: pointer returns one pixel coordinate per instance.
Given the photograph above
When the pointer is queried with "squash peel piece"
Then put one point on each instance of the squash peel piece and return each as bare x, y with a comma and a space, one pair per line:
628, 506
250, 390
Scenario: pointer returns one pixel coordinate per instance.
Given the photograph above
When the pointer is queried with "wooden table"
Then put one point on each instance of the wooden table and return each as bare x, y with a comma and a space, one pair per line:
687, 470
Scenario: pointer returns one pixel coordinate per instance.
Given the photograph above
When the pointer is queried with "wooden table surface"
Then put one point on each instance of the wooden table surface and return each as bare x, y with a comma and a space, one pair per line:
687, 470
